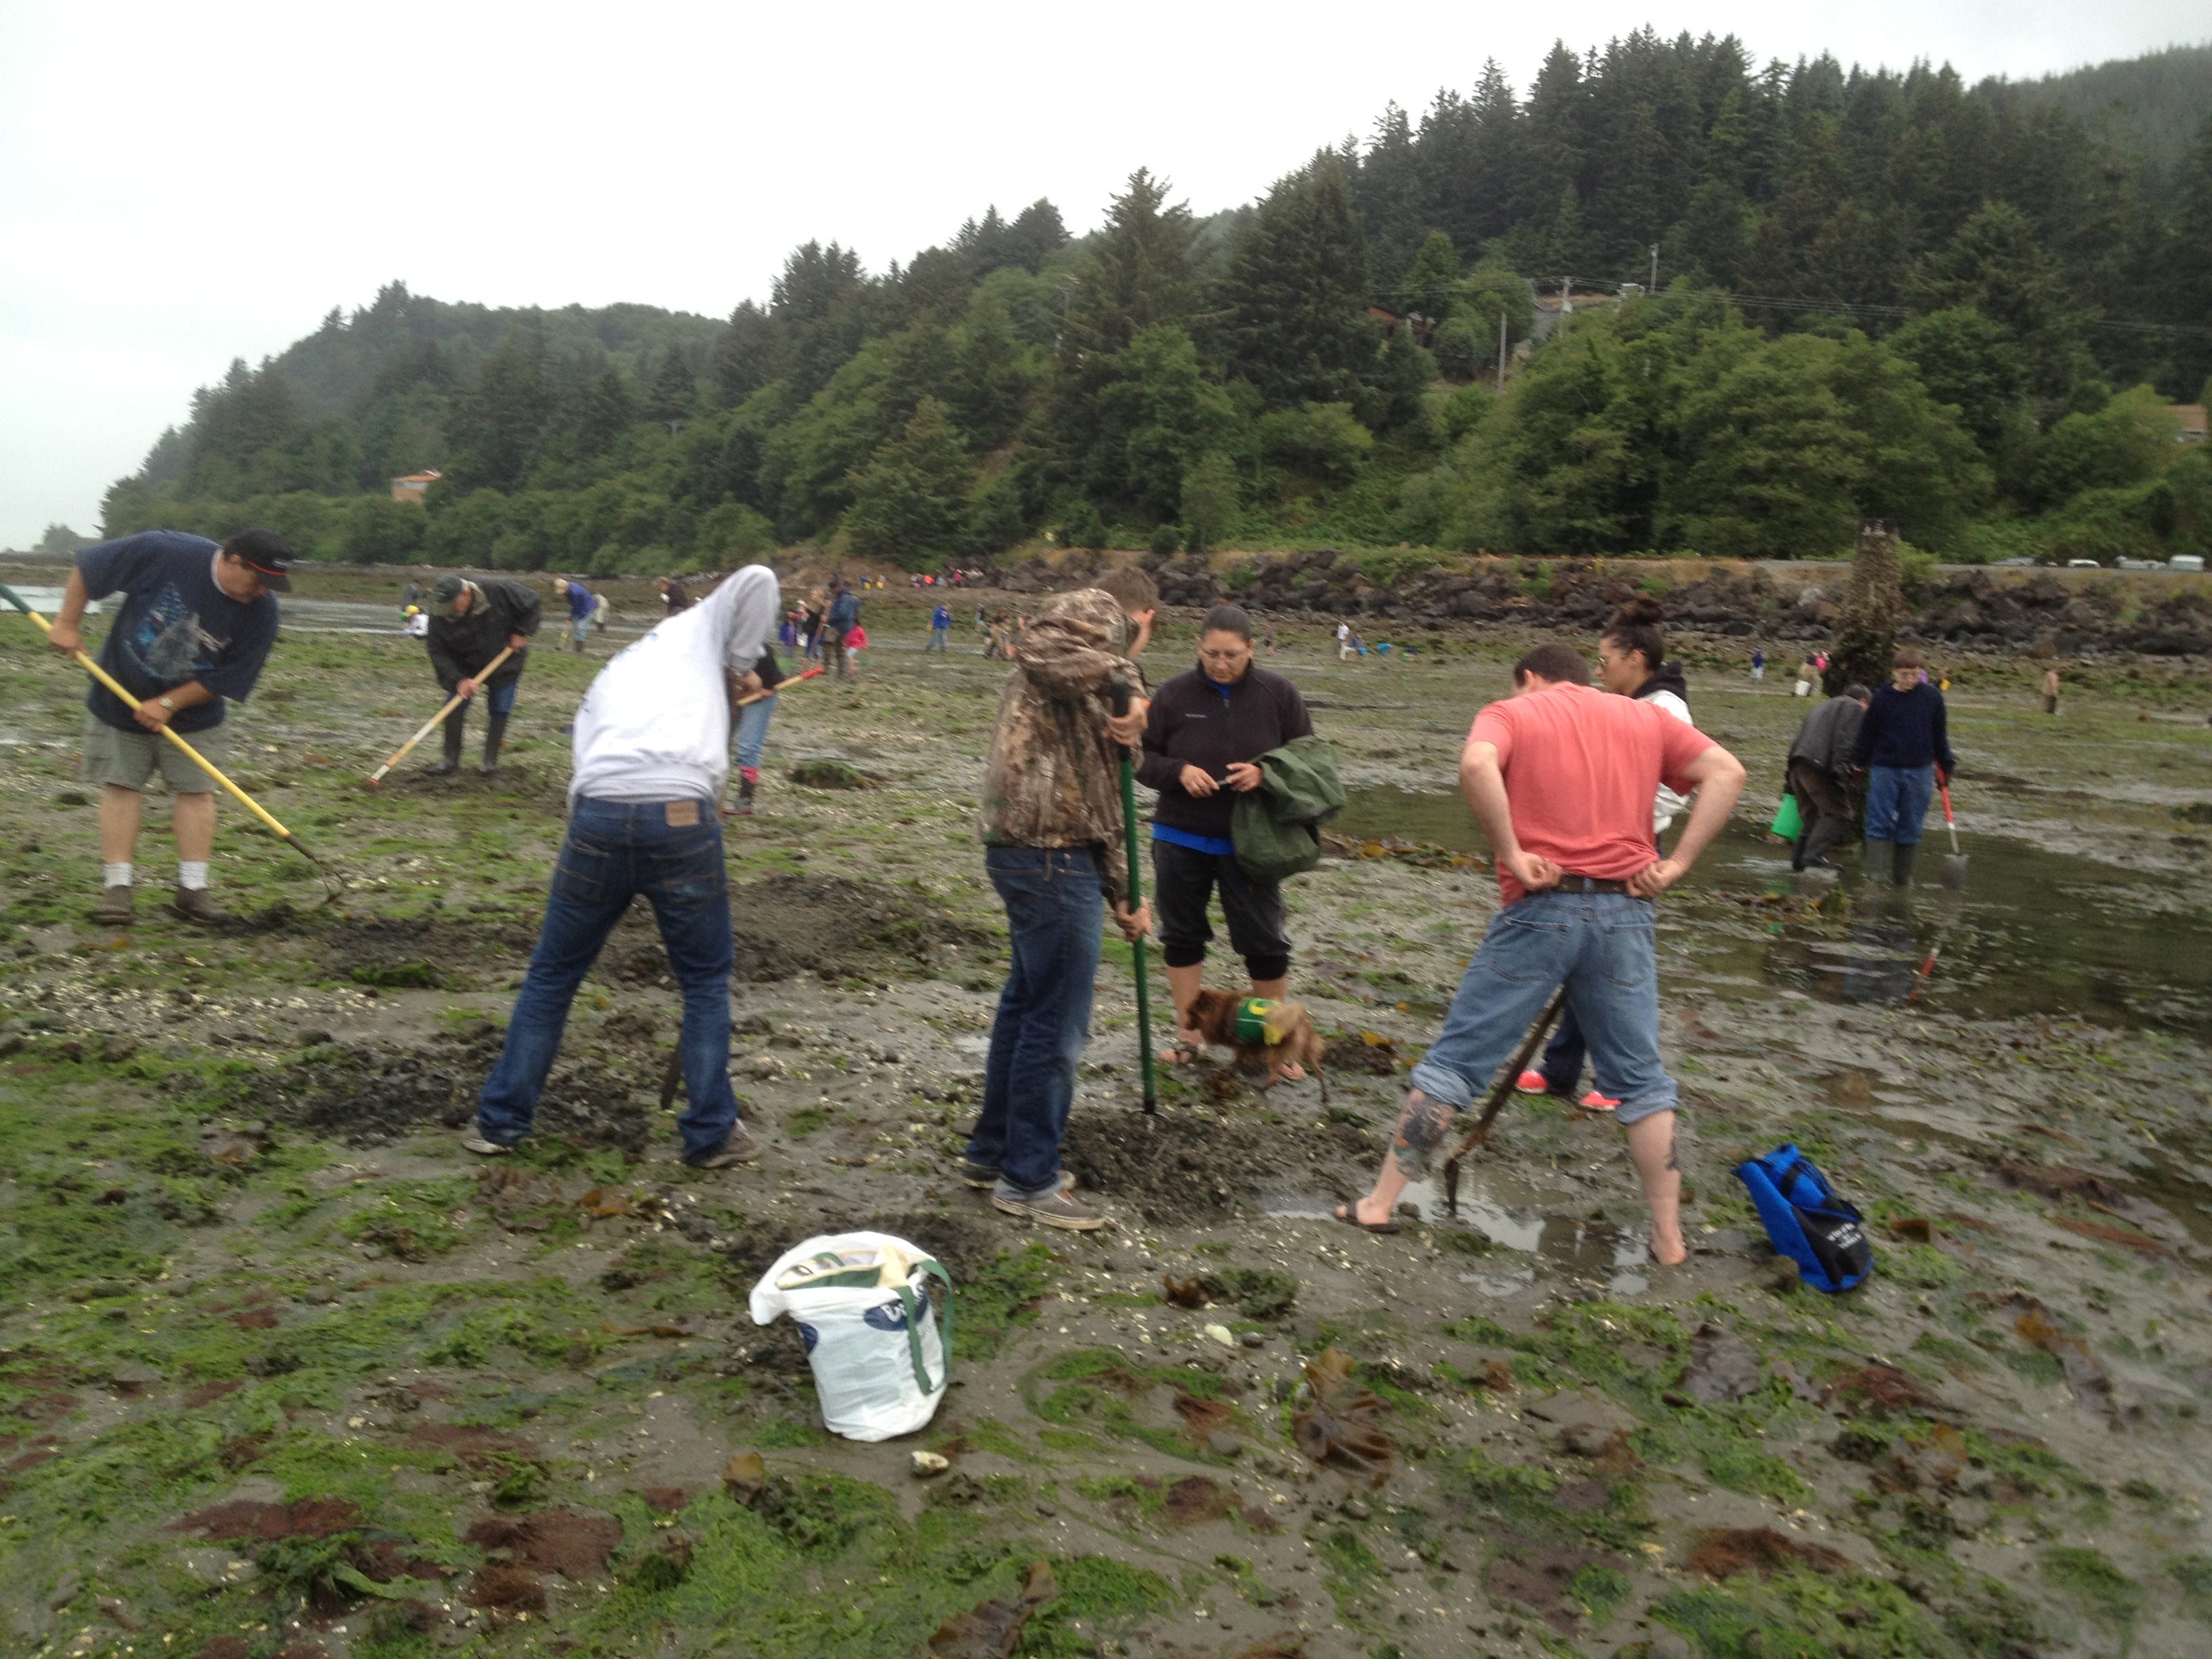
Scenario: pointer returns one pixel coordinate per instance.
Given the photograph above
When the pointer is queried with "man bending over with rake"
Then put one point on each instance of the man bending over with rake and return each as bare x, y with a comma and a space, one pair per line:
1561, 777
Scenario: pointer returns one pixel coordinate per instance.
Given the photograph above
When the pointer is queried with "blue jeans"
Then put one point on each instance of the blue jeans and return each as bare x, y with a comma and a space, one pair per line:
751, 735
500, 699
1897, 800
1056, 917
940, 639
1599, 945
616, 850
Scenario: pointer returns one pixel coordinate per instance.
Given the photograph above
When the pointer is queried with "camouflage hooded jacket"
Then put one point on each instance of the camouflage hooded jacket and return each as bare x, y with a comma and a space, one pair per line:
1054, 776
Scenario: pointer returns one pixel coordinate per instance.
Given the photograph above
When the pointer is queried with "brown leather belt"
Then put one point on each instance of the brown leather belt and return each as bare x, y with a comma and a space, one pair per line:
1572, 883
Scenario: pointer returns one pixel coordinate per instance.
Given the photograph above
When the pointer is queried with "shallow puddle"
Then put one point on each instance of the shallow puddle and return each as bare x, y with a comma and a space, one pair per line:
1535, 1232
2033, 931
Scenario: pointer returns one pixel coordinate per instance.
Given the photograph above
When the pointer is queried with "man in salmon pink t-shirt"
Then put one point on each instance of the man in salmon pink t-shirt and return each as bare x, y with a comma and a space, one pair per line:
1561, 778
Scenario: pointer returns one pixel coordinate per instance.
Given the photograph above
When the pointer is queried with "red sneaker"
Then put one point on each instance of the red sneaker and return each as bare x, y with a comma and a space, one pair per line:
1532, 1083
1595, 1102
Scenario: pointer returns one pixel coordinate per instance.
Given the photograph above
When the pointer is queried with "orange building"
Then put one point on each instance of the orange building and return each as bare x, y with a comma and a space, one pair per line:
411, 488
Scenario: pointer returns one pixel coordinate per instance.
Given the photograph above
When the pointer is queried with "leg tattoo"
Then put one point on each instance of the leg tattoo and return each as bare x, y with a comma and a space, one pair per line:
1422, 1126
1673, 1163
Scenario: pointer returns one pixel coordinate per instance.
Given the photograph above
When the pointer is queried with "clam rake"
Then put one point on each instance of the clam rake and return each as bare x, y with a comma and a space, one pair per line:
331, 885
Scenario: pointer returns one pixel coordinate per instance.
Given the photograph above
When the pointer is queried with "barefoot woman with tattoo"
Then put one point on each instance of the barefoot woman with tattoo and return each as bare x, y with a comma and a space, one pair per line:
1561, 778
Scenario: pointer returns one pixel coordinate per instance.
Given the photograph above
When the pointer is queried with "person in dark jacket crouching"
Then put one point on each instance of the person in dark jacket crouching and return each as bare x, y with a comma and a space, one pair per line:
471, 623
1207, 729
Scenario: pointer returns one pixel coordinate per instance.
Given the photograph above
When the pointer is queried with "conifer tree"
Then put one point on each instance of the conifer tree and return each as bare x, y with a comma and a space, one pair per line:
674, 395
1296, 297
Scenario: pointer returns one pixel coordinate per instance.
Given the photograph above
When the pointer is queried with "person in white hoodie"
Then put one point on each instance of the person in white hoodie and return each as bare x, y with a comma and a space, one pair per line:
651, 753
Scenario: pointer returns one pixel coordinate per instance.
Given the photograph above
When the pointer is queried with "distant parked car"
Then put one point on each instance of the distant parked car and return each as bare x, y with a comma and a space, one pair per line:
2083, 564
2021, 560
2190, 562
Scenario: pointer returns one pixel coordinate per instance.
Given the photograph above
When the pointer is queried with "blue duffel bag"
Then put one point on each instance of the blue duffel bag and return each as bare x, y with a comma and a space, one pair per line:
1823, 1234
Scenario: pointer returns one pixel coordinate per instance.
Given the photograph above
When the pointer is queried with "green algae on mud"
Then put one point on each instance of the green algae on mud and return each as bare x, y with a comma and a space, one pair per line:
250, 1267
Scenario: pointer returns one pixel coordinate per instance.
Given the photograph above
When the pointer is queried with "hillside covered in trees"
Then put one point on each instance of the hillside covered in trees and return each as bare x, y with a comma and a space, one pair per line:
1879, 293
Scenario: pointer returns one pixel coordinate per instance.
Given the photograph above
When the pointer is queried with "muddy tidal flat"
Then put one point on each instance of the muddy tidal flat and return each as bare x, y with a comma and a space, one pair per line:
286, 1373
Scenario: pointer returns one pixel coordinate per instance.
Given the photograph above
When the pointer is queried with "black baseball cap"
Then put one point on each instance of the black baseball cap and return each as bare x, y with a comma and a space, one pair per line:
266, 554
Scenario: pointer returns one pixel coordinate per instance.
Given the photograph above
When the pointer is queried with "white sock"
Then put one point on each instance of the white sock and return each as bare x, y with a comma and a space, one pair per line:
190, 875
115, 875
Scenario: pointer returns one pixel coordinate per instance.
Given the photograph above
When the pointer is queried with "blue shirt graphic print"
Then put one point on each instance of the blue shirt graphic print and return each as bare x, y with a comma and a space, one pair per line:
175, 625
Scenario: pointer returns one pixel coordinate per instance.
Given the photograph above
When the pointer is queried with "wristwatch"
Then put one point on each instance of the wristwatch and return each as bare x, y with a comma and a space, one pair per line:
167, 703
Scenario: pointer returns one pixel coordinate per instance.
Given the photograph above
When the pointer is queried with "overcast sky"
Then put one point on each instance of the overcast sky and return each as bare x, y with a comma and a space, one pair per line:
180, 184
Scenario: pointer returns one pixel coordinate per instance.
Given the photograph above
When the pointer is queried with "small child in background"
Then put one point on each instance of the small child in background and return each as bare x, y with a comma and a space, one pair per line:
855, 642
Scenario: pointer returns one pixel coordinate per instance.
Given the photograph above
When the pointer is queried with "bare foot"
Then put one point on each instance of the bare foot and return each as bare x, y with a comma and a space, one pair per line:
1292, 1072
1670, 1251
1189, 1046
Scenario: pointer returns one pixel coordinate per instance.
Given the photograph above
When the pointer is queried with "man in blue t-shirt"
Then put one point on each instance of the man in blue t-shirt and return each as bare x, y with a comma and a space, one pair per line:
195, 626
941, 629
581, 603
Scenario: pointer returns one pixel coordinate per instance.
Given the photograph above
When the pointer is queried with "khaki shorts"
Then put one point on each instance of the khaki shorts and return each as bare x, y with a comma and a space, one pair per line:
129, 758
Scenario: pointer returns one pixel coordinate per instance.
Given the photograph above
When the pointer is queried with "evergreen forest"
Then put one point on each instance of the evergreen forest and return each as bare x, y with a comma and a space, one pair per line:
1795, 295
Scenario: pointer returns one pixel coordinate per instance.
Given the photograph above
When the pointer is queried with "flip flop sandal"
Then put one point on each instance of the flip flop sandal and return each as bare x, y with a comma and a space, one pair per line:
1179, 1053
1343, 1212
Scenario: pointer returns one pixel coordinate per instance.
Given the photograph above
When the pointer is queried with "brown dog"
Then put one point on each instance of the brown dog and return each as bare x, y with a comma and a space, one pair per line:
1214, 1015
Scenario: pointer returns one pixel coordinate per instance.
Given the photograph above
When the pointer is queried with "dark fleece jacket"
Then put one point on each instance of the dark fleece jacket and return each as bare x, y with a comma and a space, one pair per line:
1193, 724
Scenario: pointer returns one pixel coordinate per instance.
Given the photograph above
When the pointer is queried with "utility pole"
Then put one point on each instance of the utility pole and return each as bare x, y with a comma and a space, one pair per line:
1655, 267
1566, 297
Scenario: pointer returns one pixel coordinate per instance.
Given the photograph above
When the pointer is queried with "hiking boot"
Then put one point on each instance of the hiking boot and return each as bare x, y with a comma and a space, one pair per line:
1053, 1210
117, 908
196, 904
444, 768
984, 1177
473, 1139
739, 1148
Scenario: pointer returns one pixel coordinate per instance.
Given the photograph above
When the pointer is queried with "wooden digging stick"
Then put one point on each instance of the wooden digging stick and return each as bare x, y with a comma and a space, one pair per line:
376, 778
766, 692
1506, 1084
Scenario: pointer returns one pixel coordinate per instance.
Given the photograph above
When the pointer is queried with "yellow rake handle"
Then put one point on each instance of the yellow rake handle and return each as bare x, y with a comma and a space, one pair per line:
438, 718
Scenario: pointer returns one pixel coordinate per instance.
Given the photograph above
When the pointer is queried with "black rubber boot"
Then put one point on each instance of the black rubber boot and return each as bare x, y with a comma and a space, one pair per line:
1812, 851
452, 733
495, 733
745, 787
1901, 860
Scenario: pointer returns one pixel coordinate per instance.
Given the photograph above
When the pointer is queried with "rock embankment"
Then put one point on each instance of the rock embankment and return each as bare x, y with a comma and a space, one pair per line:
1970, 610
